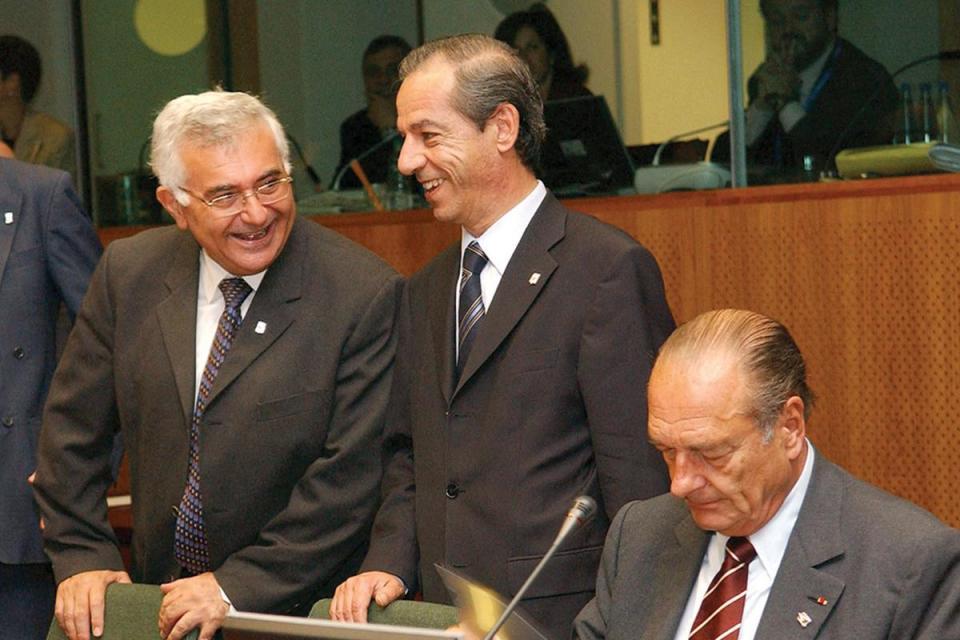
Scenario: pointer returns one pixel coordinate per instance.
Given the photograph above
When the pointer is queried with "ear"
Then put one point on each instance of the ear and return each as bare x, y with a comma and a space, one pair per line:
506, 123
793, 426
169, 202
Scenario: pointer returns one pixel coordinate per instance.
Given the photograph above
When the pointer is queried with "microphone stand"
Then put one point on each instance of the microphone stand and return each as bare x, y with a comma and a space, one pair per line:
343, 170
663, 145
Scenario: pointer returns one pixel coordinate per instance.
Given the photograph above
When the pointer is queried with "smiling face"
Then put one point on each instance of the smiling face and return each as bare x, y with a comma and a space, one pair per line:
458, 165
534, 52
248, 242
731, 479
380, 75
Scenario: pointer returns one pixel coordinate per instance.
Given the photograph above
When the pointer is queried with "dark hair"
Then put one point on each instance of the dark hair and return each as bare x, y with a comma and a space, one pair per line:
825, 5
20, 57
539, 18
386, 41
488, 74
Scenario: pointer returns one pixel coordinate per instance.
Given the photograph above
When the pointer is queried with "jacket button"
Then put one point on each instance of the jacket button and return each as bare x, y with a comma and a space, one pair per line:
18, 353
8, 421
452, 491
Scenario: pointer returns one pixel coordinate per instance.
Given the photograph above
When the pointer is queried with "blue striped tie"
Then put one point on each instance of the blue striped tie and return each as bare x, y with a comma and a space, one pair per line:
190, 540
471, 300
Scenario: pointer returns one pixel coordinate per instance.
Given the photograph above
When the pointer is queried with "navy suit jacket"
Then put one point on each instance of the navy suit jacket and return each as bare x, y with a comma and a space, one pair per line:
48, 250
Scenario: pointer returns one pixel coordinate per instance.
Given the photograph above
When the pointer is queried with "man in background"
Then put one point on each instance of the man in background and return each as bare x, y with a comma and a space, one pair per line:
246, 356
522, 350
762, 537
48, 250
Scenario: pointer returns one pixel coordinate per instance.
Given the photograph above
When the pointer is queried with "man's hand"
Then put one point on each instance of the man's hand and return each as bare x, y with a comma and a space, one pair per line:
777, 84
80, 601
190, 603
353, 597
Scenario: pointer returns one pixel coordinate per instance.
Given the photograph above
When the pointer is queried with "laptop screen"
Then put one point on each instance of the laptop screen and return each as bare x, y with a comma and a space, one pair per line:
584, 153
262, 626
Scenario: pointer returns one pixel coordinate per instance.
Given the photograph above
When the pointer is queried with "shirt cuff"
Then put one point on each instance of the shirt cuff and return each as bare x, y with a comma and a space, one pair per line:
791, 114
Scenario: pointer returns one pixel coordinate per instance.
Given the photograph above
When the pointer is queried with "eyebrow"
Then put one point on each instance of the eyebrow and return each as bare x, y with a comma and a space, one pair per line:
226, 188
425, 124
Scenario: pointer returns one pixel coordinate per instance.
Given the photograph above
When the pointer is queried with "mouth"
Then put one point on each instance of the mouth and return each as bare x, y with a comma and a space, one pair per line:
254, 237
430, 186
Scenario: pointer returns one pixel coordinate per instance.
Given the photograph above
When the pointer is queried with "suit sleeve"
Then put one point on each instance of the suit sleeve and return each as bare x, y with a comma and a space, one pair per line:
591, 622
393, 546
930, 607
628, 321
71, 245
76, 439
318, 538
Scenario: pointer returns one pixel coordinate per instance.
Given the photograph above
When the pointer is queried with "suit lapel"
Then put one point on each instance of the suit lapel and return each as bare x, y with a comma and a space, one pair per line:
441, 309
270, 312
177, 316
516, 292
801, 591
9, 202
674, 575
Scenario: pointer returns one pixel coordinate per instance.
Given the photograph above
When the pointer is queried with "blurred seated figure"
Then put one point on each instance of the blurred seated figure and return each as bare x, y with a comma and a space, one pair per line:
34, 137
815, 94
368, 127
537, 36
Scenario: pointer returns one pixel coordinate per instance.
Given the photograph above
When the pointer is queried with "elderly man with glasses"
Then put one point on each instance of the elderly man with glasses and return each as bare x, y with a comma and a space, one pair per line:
247, 363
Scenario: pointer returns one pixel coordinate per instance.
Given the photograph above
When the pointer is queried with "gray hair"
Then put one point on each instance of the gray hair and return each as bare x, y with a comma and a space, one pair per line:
762, 348
209, 119
489, 73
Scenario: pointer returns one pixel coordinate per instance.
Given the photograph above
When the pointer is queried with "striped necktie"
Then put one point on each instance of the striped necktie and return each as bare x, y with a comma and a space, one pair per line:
190, 538
722, 608
471, 300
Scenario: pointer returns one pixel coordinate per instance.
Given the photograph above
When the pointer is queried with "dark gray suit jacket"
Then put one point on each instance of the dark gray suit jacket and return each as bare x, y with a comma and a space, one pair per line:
290, 439
551, 405
48, 251
886, 568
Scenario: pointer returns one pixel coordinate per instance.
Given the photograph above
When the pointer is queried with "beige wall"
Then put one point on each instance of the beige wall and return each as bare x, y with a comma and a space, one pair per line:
684, 78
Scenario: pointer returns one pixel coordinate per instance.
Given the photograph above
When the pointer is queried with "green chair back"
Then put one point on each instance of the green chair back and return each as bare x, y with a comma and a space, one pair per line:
407, 613
131, 614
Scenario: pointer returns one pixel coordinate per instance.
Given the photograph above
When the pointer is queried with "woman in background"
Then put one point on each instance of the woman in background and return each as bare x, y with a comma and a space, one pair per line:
537, 36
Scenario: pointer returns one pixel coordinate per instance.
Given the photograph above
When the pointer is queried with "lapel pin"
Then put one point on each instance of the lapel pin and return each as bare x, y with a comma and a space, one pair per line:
261, 327
8, 217
821, 601
804, 619
534, 278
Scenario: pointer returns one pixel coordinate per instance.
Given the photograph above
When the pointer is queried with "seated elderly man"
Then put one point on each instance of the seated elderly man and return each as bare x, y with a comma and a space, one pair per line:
762, 536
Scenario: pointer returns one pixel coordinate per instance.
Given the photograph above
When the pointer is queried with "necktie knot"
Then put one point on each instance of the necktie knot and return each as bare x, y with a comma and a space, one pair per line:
474, 259
741, 550
235, 291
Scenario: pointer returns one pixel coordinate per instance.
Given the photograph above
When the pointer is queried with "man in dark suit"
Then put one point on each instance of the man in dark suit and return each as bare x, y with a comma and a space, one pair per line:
254, 470
48, 250
522, 348
816, 93
805, 550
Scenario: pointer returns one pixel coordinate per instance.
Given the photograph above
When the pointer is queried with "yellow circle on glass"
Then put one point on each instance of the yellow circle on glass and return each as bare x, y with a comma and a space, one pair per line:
170, 27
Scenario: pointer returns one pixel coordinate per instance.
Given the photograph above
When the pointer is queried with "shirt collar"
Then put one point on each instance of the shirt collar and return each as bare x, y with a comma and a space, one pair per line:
808, 77
771, 540
500, 240
211, 273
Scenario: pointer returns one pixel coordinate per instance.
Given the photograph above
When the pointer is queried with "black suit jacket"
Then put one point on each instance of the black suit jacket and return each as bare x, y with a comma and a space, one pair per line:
551, 404
48, 250
859, 562
290, 438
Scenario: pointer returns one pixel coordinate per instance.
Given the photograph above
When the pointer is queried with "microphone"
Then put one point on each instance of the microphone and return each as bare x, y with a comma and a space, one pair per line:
583, 510
949, 54
393, 133
663, 145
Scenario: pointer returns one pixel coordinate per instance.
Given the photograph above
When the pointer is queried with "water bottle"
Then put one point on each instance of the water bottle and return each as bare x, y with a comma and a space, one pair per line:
926, 112
905, 136
946, 120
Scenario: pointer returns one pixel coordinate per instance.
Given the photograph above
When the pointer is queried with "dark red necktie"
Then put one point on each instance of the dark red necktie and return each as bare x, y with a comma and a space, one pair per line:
722, 608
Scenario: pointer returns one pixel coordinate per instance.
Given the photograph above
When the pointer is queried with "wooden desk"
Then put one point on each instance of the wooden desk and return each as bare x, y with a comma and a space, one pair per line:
863, 273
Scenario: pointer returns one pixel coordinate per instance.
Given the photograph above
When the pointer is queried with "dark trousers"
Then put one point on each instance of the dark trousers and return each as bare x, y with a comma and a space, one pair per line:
27, 593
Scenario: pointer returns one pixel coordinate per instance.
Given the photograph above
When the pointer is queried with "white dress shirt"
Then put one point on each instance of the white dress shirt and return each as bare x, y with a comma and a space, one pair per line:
499, 242
792, 112
210, 304
770, 543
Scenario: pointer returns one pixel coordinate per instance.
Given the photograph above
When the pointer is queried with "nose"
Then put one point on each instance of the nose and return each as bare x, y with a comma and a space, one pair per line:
254, 212
685, 476
410, 159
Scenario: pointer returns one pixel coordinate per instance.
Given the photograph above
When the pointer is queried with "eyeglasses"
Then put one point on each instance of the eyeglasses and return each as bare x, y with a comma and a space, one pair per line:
230, 204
